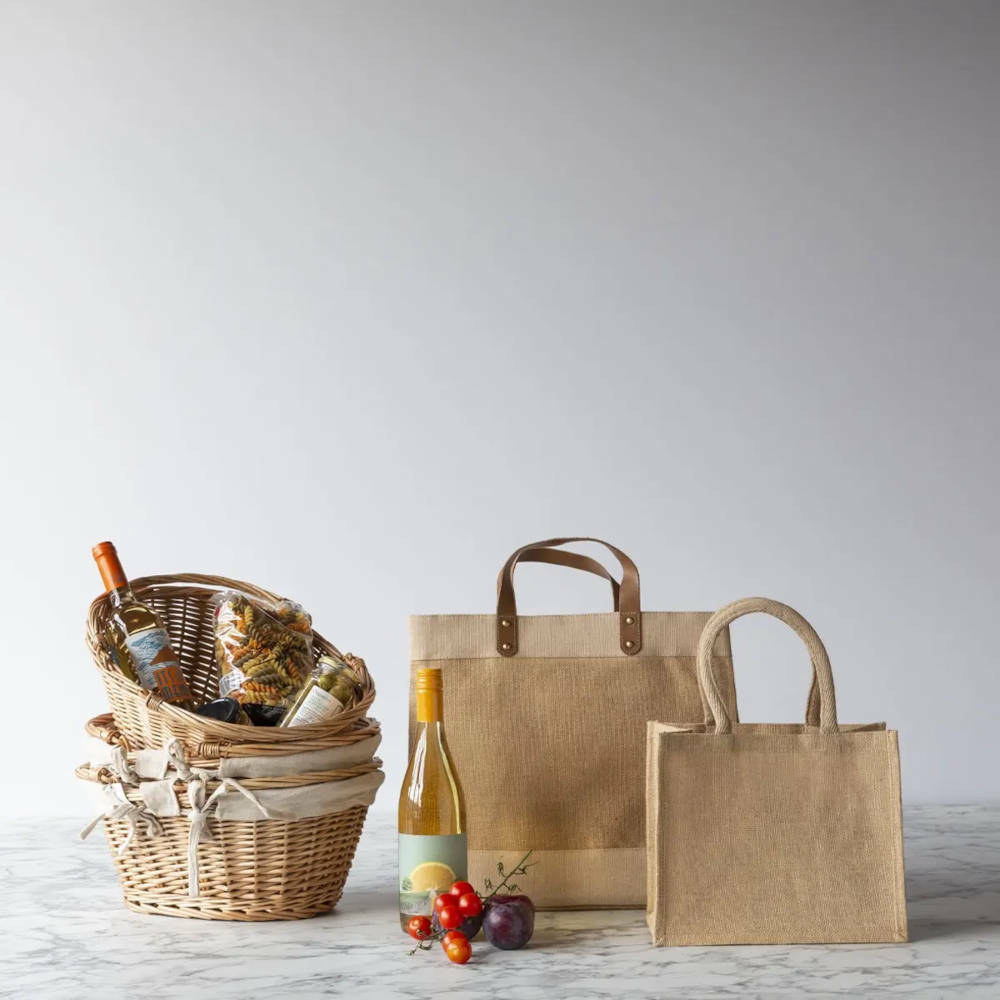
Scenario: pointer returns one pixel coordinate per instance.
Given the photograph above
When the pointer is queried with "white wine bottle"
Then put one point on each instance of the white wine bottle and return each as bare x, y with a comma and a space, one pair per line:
432, 846
137, 636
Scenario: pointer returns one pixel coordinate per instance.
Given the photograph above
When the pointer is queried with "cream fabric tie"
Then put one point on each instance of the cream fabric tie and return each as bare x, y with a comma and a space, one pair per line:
136, 815
201, 807
160, 799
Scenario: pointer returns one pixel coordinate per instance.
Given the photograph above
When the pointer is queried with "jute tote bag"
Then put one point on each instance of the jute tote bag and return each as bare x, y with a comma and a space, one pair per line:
546, 720
773, 834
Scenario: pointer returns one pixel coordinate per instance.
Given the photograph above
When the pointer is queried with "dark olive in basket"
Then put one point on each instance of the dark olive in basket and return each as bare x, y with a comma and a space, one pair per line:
223, 710
264, 715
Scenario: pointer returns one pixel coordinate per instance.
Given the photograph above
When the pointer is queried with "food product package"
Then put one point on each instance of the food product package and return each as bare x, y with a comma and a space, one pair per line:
263, 652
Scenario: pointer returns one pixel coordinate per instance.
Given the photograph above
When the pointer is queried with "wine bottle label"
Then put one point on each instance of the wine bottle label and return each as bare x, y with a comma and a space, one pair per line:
317, 706
427, 866
156, 664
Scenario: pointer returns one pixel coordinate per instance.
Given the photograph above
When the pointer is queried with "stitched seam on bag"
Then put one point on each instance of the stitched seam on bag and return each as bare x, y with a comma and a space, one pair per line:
898, 874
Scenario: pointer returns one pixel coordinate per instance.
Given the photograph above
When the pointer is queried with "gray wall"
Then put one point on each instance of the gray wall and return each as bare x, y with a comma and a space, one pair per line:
350, 299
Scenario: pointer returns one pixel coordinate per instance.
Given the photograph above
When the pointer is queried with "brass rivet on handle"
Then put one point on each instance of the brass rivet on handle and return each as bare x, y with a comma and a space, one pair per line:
505, 622
629, 620
629, 643
505, 646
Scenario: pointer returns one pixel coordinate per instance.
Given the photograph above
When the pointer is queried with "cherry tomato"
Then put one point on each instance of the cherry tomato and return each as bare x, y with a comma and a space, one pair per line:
461, 888
457, 948
458, 952
419, 928
470, 904
450, 916
445, 899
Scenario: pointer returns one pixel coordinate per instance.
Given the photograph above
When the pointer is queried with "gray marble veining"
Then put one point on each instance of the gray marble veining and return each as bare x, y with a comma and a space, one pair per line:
65, 933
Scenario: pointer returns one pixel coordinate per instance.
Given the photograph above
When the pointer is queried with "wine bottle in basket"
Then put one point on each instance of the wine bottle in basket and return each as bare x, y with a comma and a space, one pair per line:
137, 636
432, 841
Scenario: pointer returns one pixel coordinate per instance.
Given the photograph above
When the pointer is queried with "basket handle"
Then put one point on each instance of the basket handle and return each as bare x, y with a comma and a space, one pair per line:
630, 619
103, 728
165, 580
573, 560
822, 673
206, 580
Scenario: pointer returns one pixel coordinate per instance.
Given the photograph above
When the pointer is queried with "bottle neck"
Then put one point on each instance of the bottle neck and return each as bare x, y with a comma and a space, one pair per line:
121, 595
430, 708
112, 575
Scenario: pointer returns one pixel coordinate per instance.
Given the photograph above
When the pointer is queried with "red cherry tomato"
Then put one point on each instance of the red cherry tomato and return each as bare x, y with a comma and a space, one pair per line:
461, 888
445, 899
419, 928
458, 950
452, 936
450, 916
470, 904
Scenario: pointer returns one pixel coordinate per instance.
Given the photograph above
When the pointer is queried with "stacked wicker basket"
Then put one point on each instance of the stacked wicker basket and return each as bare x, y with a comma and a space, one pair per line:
239, 869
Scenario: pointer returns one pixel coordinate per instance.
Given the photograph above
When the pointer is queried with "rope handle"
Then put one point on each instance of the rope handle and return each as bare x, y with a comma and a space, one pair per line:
822, 673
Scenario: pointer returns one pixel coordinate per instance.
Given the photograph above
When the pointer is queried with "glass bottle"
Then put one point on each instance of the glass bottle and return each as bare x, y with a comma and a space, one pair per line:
137, 636
432, 840
328, 690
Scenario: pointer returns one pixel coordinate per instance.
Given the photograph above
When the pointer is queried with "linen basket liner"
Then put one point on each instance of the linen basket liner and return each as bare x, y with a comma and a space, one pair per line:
549, 733
231, 800
773, 833
154, 763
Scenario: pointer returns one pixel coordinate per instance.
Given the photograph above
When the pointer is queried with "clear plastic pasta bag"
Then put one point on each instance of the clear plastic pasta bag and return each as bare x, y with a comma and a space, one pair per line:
264, 652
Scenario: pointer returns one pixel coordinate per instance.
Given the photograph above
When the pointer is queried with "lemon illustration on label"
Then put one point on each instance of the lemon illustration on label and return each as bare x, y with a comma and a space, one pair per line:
431, 875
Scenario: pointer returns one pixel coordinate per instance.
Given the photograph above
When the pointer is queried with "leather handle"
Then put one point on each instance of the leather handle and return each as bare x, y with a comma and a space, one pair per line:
628, 608
573, 560
822, 673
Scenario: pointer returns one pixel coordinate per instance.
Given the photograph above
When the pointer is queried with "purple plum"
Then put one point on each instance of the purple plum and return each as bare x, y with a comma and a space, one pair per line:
509, 921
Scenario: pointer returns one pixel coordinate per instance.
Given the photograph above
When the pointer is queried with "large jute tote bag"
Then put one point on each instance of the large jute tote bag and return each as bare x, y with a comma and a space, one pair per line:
773, 834
546, 721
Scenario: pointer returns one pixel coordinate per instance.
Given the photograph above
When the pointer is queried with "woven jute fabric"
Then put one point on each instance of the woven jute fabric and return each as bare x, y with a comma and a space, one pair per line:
549, 744
773, 834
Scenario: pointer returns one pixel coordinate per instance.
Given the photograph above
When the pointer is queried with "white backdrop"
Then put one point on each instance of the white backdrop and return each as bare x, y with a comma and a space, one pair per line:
352, 299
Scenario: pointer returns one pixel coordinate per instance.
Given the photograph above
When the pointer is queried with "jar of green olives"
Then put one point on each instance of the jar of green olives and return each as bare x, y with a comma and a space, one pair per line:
328, 690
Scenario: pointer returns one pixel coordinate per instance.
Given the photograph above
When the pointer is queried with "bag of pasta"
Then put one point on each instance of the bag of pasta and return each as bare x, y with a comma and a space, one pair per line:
263, 652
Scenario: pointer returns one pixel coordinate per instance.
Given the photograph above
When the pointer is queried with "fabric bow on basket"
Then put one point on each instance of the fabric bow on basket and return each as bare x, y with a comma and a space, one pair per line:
159, 798
278, 831
202, 805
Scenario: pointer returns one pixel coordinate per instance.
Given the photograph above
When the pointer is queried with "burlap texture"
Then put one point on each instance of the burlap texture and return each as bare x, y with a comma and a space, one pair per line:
774, 834
549, 745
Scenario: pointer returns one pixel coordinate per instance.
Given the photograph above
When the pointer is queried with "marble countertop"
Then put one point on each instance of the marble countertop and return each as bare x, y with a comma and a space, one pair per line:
65, 933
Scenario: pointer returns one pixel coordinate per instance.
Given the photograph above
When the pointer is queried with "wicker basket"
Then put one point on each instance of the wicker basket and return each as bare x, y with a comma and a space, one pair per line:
103, 727
264, 870
183, 602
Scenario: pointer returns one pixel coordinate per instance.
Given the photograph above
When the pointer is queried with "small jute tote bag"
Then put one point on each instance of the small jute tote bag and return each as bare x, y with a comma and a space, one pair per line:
546, 720
773, 834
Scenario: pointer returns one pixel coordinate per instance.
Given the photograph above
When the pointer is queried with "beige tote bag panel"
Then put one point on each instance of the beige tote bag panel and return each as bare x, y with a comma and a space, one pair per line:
548, 735
773, 834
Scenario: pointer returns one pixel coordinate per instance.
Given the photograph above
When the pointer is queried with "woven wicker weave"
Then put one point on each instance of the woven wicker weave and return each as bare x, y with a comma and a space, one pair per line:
269, 870
266, 870
183, 602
